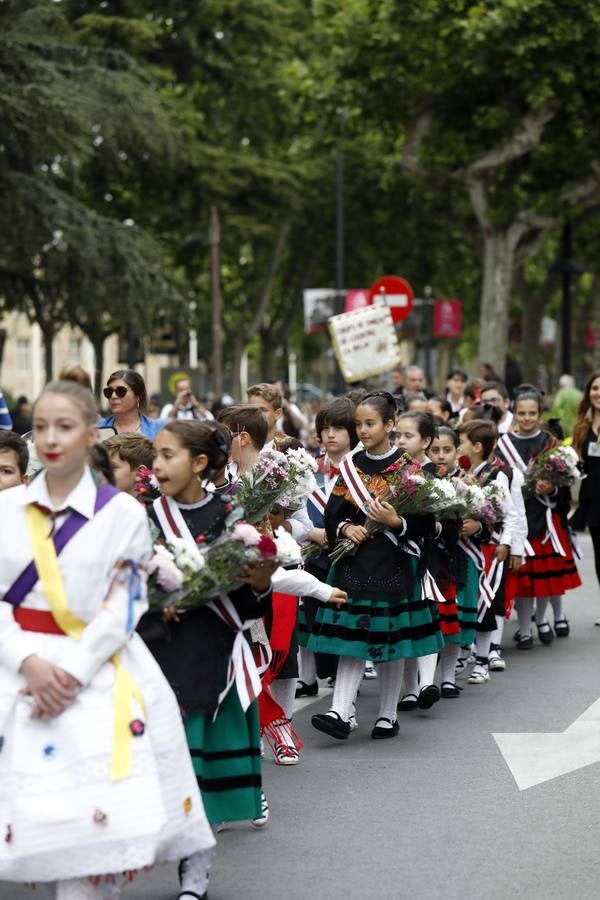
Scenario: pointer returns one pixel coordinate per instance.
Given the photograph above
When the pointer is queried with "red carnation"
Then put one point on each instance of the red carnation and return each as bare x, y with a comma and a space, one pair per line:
464, 462
267, 547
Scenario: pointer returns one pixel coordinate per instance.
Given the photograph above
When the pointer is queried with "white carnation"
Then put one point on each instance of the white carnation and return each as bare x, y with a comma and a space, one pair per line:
288, 550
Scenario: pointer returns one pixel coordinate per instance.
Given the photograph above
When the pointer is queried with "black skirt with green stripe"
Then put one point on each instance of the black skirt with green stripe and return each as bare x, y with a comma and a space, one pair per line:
467, 598
382, 625
226, 759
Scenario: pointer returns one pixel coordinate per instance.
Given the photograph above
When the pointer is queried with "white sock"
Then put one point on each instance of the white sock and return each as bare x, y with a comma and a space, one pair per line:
497, 634
483, 642
284, 692
411, 676
389, 682
349, 676
541, 605
557, 607
524, 607
308, 666
448, 658
195, 870
427, 666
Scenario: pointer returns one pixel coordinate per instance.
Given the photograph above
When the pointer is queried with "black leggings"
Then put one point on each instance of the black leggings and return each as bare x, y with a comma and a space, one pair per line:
595, 533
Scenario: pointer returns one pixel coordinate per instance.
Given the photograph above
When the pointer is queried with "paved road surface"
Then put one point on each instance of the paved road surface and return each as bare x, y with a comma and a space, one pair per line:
435, 813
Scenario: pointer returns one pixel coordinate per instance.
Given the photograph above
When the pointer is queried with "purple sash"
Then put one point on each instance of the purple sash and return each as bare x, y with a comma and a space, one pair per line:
75, 521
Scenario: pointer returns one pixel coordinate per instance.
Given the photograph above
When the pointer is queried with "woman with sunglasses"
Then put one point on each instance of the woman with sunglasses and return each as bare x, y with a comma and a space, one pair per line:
127, 398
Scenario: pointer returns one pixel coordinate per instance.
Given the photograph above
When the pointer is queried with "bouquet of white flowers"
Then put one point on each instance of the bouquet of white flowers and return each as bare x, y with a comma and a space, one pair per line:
188, 577
277, 479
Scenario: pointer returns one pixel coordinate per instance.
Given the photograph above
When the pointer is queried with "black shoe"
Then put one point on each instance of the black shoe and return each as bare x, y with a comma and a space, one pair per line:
517, 636
545, 633
380, 733
307, 690
186, 895
408, 702
562, 628
428, 696
331, 724
525, 643
450, 690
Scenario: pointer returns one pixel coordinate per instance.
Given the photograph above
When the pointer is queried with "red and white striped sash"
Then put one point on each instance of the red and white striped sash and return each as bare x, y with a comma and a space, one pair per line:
242, 668
510, 453
489, 582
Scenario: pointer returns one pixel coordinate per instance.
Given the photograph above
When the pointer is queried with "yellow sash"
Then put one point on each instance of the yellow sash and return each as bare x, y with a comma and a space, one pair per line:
125, 688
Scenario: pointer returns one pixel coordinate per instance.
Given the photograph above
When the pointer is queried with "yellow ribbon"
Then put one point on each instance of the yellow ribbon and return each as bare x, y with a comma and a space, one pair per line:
125, 688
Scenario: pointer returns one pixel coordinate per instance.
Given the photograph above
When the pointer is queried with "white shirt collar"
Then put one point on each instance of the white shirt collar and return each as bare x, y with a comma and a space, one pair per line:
82, 498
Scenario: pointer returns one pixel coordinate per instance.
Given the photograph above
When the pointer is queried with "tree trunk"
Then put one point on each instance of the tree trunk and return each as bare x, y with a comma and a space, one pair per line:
531, 325
238, 351
498, 264
214, 240
98, 345
534, 304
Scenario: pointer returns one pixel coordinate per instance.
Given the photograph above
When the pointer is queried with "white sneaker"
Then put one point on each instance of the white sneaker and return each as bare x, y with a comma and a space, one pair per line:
262, 820
286, 755
370, 671
479, 675
497, 664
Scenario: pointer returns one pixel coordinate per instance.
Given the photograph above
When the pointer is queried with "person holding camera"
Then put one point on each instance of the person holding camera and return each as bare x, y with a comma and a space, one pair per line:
185, 404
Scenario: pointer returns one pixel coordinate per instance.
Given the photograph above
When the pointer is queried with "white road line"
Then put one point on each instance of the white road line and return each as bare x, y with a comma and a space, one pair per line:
537, 757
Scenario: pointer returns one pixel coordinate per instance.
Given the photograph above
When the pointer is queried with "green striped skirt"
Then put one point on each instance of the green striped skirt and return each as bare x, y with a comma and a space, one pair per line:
302, 625
381, 627
467, 599
226, 759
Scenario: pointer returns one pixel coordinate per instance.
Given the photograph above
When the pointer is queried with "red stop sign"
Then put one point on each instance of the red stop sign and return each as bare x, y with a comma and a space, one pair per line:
396, 292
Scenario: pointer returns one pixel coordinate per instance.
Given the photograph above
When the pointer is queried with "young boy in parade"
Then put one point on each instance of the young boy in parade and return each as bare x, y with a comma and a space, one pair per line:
336, 430
248, 429
195, 648
95, 777
549, 568
386, 617
462, 576
415, 431
128, 453
14, 459
502, 548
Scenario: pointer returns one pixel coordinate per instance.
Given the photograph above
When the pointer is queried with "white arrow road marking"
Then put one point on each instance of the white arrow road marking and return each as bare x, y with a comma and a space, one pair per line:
538, 757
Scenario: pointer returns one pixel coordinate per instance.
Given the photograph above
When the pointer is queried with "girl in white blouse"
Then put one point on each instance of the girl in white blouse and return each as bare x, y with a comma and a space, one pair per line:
95, 775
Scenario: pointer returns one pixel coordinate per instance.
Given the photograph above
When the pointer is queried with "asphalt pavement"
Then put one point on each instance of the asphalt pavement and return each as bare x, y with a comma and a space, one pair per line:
437, 812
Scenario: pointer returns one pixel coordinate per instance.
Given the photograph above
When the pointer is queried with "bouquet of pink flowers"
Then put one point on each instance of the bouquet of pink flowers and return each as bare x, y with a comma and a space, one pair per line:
276, 479
188, 577
410, 491
146, 487
559, 465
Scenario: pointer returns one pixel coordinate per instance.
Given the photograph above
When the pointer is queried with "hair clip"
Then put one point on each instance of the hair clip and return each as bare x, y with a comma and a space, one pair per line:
220, 442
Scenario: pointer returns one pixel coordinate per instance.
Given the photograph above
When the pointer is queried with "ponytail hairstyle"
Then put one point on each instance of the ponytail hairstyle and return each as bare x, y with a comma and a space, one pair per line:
486, 411
529, 392
584, 415
212, 440
383, 402
424, 421
444, 431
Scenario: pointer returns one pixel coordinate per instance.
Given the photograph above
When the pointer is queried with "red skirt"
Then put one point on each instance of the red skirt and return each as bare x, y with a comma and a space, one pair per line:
547, 573
448, 611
